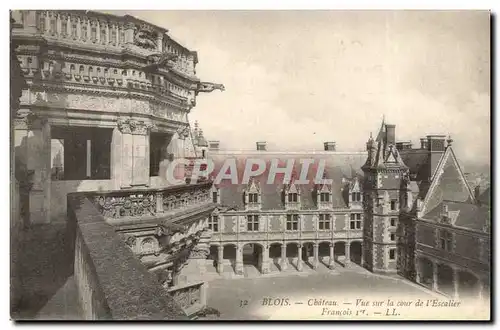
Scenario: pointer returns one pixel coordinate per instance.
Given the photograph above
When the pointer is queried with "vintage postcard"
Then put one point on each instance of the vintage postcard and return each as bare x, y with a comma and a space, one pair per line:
250, 165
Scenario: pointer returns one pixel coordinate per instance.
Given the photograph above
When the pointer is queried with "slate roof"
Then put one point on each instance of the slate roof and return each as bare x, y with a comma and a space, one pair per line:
339, 167
469, 215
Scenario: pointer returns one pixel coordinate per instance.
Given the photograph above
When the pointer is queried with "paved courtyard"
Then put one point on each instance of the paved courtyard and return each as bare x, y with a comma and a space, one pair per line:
244, 298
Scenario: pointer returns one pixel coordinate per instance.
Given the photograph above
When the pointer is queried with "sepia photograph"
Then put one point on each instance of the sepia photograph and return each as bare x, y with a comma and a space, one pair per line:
250, 165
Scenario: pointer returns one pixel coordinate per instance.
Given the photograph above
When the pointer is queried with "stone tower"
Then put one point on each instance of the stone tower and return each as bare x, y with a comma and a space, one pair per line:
384, 173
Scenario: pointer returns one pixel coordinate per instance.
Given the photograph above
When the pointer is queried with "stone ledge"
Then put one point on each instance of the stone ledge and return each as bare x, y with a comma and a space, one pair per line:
129, 291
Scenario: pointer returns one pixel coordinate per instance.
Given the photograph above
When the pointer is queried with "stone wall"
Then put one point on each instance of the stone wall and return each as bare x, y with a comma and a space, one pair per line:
112, 283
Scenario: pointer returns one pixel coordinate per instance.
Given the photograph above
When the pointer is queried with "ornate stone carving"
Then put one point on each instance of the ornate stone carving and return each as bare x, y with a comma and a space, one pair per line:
130, 241
132, 126
187, 296
145, 37
131, 205
159, 60
207, 87
183, 132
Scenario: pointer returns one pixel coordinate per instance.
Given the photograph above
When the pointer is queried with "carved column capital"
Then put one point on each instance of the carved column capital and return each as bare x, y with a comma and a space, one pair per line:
132, 126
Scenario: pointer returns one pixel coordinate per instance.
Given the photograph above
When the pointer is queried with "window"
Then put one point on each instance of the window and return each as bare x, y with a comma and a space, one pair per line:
157, 152
392, 254
356, 196
355, 220
214, 197
253, 222
393, 237
445, 240
253, 198
324, 221
80, 153
324, 197
393, 222
292, 222
292, 197
213, 223
393, 205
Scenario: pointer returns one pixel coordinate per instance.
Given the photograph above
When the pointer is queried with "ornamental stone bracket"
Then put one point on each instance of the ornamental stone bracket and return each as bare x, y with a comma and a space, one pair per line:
133, 126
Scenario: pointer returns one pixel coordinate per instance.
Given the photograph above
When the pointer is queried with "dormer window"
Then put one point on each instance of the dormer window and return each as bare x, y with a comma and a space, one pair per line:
356, 197
214, 197
292, 197
253, 198
393, 205
324, 197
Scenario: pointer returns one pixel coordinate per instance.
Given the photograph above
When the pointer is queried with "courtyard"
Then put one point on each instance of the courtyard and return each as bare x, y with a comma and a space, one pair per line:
290, 296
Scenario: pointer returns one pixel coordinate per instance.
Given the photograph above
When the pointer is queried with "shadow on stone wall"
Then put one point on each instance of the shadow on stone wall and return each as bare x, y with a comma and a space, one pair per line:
41, 254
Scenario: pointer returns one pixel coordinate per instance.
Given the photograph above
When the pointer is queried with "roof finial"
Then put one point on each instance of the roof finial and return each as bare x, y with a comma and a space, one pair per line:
450, 140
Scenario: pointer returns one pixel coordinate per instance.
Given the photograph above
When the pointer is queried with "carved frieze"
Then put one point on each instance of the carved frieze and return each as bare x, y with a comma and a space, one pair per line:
145, 37
131, 205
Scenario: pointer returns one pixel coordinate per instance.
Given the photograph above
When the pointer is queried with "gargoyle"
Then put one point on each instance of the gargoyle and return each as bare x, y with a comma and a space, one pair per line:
207, 87
159, 60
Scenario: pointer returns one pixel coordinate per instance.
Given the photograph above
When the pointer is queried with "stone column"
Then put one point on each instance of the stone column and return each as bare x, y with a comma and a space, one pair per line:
299, 259
220, 259
455, 283
331, 262
347, 261
315, 261
159, 42
435, 286
283, 261
265, 260
239, 261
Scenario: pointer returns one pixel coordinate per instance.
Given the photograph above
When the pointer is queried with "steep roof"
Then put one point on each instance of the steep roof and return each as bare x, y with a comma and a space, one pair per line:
339, 167
449, 184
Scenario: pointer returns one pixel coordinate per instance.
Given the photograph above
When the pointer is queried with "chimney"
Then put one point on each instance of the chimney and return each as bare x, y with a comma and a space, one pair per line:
436, 142
329, 146
390, 134
403, 145
423, 143
213, 145
261, 146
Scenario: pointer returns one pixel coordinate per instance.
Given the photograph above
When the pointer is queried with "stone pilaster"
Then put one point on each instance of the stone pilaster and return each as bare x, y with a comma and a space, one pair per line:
455, 283
265, 260
134, 152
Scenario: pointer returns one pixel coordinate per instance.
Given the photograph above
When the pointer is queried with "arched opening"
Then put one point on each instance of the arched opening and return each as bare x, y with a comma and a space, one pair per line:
308, 254
275, 256
445, 279
468, 285
356, 251
252, 257
292, 253
426, 272
339, 251
229, 256
324, 253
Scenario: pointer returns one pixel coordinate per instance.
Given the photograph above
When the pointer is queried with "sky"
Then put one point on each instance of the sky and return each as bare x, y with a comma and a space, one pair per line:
299, 78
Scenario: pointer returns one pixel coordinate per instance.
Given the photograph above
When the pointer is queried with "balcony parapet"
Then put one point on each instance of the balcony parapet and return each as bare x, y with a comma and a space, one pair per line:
112, 284
152, 203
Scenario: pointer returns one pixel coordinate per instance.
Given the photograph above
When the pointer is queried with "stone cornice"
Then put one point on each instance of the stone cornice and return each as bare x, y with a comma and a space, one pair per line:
133, 126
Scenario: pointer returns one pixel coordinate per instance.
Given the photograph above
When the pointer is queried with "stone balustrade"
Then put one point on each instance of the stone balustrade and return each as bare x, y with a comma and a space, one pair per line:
152, 202
112, 283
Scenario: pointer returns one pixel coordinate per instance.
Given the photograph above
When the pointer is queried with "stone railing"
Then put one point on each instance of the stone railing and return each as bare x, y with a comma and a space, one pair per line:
190, 297
152, 202
112, 284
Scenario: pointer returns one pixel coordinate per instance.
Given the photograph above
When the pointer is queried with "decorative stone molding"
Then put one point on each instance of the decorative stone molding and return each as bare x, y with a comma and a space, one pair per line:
183, 132
132, 126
